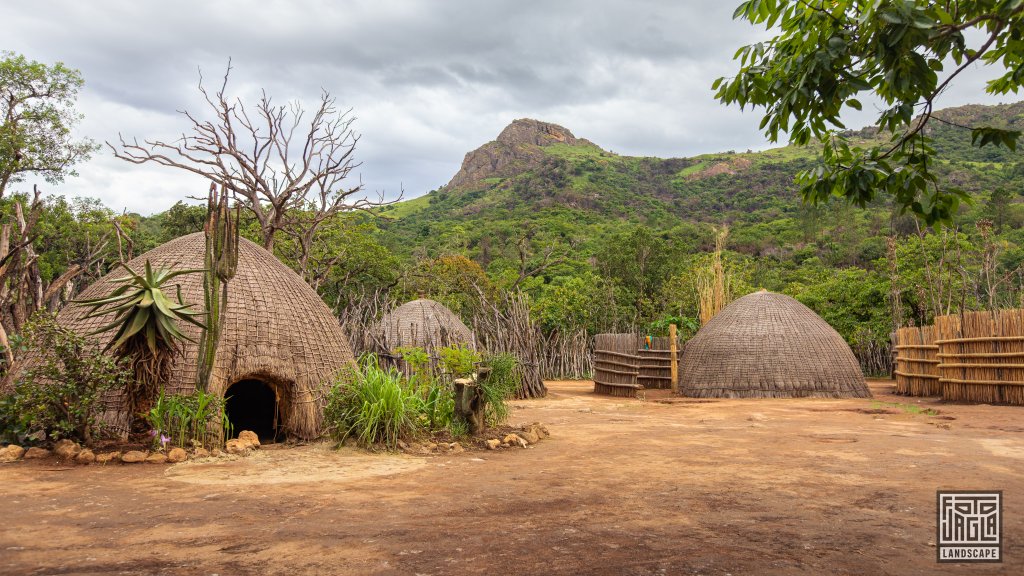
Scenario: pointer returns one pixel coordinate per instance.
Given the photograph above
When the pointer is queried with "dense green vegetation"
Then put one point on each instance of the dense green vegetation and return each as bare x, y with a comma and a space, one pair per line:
381, 405
606, 242
823, 55
602, 242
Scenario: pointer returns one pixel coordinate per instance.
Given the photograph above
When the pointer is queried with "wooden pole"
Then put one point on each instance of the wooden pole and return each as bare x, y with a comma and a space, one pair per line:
673, 357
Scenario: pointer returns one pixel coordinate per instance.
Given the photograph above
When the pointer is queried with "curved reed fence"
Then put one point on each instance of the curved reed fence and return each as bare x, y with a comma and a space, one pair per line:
917, 362
625, 363
981, 356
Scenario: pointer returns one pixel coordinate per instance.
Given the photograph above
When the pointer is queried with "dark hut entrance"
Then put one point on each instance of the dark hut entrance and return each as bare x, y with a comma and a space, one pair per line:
252, 405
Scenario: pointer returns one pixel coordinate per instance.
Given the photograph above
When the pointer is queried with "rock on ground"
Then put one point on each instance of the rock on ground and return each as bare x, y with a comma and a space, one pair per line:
36, 452
67, 449
513, 440
133, 457
105, 457
177, 455
493, 444
250, 437
156, 458
530, 436
238, 447
86, 456
11, 453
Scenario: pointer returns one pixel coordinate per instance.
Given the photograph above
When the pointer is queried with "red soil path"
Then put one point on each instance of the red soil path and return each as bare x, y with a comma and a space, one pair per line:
622, 487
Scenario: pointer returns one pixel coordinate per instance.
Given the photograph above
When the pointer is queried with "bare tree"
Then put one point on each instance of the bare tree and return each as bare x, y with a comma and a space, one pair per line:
277, 158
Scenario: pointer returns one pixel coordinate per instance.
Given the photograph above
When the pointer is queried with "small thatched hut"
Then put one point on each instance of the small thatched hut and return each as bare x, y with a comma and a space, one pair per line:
280, 349
767, 345
425, 324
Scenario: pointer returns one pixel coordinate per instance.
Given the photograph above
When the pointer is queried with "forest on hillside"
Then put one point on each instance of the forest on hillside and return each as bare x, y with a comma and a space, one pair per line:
605, 243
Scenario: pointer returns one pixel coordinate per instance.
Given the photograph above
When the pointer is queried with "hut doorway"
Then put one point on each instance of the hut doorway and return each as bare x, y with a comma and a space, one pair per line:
252, 405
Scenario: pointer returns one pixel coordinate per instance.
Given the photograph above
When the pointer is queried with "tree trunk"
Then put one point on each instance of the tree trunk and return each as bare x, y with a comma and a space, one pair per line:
470, 404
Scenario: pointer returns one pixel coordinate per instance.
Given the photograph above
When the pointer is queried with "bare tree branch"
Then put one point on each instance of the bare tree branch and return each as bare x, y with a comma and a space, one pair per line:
280, 160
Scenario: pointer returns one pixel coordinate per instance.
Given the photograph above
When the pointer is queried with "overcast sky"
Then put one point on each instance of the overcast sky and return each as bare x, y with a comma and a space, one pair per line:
428, 80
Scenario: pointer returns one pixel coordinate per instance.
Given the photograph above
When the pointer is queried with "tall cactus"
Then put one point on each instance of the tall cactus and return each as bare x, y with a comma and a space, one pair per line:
221, 262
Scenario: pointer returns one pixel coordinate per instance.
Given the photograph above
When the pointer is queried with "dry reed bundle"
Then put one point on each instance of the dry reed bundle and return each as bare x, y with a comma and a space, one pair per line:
505, 326
714, 288
917, 362
567, 355
981, 356
767, 345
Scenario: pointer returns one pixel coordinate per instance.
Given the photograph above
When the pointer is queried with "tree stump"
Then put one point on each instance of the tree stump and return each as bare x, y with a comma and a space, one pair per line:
471, 402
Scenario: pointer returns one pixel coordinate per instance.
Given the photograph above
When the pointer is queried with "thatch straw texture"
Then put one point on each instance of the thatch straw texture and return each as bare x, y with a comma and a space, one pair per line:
981, 356
917, 362
425, 324
767, 345
276, 329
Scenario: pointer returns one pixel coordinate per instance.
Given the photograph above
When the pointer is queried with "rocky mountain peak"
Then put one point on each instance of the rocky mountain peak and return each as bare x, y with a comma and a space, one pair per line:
516, 149
530, 131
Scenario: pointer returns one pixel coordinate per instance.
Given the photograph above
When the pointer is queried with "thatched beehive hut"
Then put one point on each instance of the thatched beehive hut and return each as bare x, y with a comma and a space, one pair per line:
280, 349
425, 324
767, 345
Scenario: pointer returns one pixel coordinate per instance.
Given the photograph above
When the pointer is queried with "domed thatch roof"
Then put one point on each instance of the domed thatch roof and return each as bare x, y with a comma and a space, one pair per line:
277, 330
767, 345
425, 324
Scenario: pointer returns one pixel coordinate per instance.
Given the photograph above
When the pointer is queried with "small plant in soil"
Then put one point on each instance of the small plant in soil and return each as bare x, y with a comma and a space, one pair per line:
188, 420
908, 408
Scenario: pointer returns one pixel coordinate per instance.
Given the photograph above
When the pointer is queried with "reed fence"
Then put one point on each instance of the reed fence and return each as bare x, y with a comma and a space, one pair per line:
917, 362
981, 356
626, 363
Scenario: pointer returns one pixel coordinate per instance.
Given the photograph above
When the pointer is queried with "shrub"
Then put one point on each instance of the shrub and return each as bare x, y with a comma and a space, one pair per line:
458, 361
500, 385
377, 406
58, 396
186, 419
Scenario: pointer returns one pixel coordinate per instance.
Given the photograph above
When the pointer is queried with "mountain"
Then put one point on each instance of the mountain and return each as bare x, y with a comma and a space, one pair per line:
516, 149
539, 179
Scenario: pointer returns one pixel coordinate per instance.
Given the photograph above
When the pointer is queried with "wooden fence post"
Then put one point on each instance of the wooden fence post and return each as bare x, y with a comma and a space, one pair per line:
673, 353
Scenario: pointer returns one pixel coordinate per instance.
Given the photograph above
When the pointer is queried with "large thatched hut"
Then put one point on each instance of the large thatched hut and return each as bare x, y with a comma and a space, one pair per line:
425, 324
767, 345
280, 349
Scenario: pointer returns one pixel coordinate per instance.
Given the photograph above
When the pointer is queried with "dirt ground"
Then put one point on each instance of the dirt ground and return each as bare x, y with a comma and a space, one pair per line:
623, 486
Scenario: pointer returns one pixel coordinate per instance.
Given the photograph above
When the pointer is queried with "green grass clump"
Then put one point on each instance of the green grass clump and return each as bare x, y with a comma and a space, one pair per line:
500, 385
376, 407
185, 419
908, 408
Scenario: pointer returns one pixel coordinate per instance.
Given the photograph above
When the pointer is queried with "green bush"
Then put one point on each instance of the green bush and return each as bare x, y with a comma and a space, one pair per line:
377, 406
500, 385
458, 361
185, 419
58, 396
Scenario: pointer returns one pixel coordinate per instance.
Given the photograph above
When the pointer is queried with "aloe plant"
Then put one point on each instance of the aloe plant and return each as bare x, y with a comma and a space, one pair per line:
146, 320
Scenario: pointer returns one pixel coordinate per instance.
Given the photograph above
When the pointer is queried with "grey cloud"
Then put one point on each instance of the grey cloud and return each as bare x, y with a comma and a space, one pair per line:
428, 81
